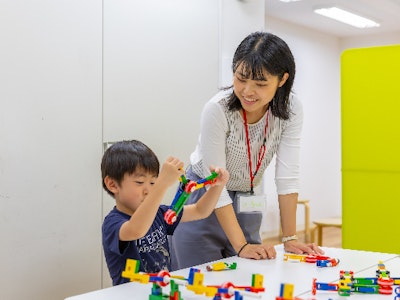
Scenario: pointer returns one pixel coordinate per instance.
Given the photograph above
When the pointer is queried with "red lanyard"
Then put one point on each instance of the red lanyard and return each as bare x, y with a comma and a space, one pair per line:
260, 154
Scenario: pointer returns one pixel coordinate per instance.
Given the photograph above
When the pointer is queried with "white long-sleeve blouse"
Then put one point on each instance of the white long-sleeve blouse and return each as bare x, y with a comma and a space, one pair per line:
222, 142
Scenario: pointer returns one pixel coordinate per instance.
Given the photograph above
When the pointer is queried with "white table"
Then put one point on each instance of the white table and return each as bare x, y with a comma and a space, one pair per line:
275, 272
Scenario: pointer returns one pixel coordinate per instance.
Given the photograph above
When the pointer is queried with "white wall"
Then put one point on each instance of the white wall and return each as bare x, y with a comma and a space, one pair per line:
370, 40
317, 84
50, 131
157, 80
238, 19
159, 64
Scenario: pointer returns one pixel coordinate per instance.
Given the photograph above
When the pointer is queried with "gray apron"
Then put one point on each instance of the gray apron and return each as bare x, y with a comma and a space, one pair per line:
204, 240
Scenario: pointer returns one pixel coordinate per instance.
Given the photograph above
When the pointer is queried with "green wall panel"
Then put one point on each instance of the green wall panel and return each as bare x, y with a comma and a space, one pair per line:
370, 105
371, 211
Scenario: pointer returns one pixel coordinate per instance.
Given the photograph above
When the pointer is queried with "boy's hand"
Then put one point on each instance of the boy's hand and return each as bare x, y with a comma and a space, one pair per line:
170, 171
223, 175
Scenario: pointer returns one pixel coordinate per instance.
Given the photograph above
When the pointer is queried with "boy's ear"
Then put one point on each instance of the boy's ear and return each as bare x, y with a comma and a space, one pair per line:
111, 184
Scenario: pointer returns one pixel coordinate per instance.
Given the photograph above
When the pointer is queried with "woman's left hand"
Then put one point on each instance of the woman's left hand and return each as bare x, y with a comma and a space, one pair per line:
297, 247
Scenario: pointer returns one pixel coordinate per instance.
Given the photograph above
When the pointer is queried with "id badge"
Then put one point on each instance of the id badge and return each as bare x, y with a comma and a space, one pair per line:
247, 202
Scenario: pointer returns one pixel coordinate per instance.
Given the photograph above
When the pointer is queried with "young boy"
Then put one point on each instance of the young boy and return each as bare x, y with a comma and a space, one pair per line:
135, 228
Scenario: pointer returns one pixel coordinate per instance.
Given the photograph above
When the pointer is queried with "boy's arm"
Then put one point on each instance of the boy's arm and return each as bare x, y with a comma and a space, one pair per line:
141, 220
206, 204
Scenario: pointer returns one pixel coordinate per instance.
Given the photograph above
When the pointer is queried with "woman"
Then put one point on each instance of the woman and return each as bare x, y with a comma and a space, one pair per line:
242, 128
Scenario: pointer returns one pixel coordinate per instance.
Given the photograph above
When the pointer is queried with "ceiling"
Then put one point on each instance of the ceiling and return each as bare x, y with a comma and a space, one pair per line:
385, 12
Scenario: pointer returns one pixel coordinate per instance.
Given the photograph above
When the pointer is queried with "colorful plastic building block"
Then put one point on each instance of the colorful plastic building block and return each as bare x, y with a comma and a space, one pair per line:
294, 257
319, 286
186, 187
332, 262
286, 292
219, 266
397, 292
345, 283
228, 289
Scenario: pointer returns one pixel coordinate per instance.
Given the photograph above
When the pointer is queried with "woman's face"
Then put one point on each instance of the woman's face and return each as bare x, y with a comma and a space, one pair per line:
255, 95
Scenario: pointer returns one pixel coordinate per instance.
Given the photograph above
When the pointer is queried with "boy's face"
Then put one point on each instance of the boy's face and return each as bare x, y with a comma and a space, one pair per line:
133, 189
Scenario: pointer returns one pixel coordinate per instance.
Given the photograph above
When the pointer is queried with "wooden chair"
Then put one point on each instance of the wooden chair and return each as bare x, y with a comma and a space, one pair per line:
327, 222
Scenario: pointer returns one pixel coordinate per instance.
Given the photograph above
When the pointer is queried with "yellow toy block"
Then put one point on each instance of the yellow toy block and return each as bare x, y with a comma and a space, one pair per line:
287, 291
294, 257
197, 287
132, 272
131, 267
257, 281
218, 266
210, 291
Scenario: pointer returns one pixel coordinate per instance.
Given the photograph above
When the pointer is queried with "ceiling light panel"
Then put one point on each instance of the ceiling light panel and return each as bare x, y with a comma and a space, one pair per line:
347, 17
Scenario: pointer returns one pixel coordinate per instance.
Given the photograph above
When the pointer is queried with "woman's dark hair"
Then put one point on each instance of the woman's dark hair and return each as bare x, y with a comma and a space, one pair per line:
259, 52
125, 158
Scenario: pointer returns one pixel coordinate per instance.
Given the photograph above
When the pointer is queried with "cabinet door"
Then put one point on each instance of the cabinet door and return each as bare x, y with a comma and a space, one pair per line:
160, 67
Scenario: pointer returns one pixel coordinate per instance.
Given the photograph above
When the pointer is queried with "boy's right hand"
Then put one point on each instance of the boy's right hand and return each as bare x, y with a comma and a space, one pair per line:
170, 171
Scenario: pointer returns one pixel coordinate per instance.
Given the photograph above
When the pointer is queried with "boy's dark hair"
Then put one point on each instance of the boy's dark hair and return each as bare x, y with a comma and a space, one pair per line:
126, 157
261, 51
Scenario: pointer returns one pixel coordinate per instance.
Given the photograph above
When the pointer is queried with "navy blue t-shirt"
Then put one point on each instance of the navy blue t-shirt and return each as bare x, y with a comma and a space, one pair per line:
152, 250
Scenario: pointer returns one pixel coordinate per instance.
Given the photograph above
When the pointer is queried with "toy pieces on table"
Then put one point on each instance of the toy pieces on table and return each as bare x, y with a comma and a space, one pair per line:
397, 292
157, 294
303, 257
226, 290
320, 260
219, 266
345, 285
162, 278
381, 284
384, 281
332, 262
194, 283
286, 292
294, 257
322, 287
186, 187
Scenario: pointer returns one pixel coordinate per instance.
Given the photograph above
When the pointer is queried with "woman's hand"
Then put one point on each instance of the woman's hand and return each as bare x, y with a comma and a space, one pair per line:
258, 251
297, 247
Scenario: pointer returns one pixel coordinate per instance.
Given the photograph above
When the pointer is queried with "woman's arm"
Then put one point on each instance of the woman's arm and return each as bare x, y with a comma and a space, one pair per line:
212, 144
229, 223
287, 176
288, 207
